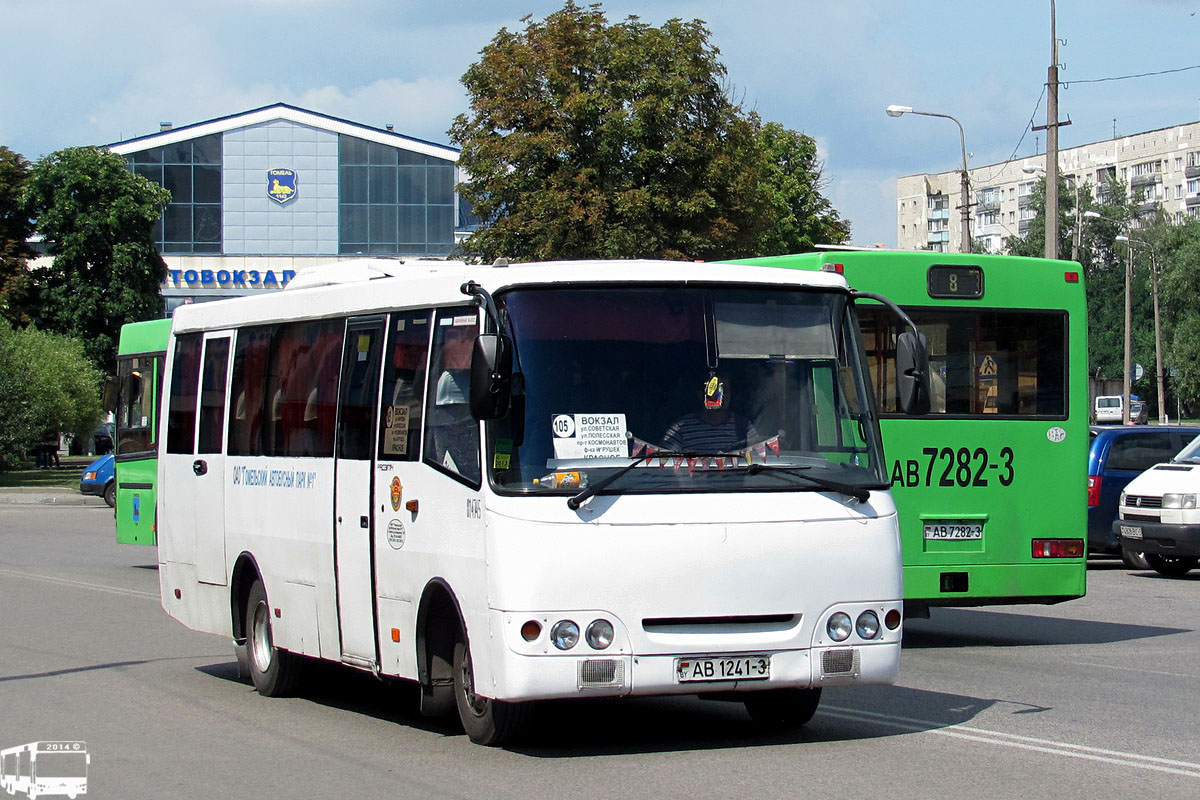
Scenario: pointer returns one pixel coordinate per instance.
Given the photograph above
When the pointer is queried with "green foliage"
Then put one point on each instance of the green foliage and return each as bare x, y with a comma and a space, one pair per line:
1178, 250
803, 217
586, 139
99, 217
15, 228
47, 384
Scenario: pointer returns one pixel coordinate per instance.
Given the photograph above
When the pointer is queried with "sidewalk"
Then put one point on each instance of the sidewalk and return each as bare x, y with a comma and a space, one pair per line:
46, 495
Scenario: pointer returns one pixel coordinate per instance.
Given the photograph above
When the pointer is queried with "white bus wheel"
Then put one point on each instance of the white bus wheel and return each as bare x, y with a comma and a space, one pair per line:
486, 721
274, 672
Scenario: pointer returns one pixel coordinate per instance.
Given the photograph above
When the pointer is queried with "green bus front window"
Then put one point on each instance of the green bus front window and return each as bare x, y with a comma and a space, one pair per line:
135, 405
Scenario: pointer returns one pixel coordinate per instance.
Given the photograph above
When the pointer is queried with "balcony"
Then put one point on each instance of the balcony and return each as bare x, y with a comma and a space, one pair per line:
1143, 180
1192, 172
939, 213
936, 238
984, 206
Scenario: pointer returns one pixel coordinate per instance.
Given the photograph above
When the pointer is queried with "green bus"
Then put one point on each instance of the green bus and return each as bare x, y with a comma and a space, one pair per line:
141, 351
989, 485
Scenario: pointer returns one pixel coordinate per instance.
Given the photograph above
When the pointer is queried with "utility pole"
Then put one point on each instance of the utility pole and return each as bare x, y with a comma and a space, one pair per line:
1125, 384
1051, 127
1158, 365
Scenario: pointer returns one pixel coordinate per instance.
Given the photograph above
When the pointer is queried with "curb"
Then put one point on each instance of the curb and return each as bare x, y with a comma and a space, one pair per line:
44, 499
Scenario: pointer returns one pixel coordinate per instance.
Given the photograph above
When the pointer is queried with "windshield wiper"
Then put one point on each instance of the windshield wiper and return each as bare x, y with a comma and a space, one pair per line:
859, 493
577, 500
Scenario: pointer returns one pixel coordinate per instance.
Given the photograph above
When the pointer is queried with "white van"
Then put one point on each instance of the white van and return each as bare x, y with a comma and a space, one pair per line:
1109, 409
1158, 513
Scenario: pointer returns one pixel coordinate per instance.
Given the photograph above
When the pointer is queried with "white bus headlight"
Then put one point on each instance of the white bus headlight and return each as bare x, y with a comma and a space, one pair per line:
600, 634
839, 627
1179, 501
564, 634
867, 625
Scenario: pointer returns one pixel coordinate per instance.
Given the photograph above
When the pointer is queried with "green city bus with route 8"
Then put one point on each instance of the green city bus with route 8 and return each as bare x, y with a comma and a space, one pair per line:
989, 485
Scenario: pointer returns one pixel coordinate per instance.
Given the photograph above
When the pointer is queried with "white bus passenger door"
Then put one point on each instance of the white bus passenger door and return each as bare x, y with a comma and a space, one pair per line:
208, 467
354, 557
177, 492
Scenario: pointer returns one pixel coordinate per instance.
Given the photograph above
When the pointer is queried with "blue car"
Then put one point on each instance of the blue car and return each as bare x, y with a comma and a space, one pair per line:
1118, 455
98, 480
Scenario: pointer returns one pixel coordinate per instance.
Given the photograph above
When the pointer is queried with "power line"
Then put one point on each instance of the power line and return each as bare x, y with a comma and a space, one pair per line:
1028, 126
1127, 77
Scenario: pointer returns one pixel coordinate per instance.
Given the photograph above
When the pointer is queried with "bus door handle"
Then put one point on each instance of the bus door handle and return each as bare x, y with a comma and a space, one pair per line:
363, 522
200, 466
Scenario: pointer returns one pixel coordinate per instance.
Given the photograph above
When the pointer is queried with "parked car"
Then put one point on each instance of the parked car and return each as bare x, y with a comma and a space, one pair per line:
1117, 456
1138, 414
1158, 513
1109, 409
98, 480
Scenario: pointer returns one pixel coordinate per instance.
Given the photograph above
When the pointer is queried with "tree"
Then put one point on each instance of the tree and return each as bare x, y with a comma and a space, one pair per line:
98, 217
47, 383
591, 140
803, 217
1179, 262
15, 228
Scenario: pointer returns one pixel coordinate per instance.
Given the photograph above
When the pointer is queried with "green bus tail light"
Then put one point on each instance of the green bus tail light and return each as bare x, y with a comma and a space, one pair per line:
1058, 548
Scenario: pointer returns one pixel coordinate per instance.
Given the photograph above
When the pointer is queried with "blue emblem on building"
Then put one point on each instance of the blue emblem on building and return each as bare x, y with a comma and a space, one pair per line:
281, 185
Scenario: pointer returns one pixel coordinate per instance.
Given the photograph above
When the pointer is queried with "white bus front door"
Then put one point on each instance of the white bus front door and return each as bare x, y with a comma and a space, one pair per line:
354, 558
209, 465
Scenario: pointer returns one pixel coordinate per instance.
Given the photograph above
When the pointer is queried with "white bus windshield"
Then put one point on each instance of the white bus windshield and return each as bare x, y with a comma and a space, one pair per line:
714, 388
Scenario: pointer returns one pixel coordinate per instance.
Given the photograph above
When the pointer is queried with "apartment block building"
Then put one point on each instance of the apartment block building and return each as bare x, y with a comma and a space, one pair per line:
1162, 167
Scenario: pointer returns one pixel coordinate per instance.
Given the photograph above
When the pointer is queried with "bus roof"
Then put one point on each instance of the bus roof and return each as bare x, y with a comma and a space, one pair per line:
143, 337
902, 275
376, 285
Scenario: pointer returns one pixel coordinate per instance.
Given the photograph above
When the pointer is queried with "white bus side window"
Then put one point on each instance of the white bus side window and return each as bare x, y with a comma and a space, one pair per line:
185, 378
406, 357
451, 433
247, 390
212, 396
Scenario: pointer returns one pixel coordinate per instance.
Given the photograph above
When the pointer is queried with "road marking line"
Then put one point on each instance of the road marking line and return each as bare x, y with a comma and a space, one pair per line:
1136, 669
1021, 742
79, 584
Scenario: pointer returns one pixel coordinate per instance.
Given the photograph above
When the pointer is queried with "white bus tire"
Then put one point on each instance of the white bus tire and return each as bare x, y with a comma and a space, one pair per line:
274, 672
783, 708
486, 721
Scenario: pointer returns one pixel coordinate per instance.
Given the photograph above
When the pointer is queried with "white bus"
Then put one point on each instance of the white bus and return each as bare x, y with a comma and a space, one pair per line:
44, 768
540, 481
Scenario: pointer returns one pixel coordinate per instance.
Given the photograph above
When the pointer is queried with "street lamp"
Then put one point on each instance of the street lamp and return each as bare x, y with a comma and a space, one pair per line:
896, 111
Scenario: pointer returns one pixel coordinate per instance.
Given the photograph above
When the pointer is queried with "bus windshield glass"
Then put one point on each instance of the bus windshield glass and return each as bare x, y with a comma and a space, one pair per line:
61, 765
713, 388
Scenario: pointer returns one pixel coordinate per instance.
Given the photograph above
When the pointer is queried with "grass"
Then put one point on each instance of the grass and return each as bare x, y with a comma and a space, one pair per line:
64, 476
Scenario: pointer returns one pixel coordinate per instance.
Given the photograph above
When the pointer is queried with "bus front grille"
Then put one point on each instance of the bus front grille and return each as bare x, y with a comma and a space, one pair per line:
601, 673
840, 662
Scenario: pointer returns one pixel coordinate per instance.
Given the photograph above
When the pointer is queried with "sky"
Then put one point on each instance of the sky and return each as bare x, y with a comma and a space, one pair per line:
82, 72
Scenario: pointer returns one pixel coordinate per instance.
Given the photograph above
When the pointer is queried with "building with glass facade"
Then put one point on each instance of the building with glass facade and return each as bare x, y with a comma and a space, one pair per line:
260, 195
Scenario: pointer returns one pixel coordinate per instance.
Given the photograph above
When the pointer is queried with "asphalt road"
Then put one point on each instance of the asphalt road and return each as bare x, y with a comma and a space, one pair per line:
1098, 698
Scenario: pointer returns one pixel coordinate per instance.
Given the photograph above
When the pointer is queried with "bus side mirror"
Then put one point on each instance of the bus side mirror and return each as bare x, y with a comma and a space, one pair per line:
912, 373
491, 376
